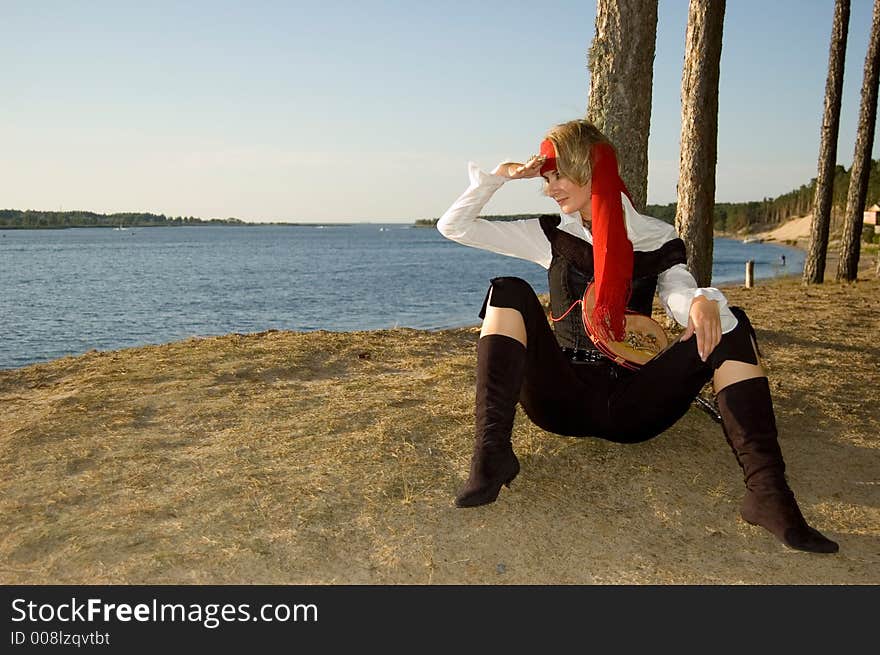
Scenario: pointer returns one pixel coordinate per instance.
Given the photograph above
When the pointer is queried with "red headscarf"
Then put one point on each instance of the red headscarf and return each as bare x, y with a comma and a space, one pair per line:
548, 150
612, 249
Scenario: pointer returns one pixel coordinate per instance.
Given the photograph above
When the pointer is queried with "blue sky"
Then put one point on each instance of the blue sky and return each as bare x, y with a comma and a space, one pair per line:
349, 111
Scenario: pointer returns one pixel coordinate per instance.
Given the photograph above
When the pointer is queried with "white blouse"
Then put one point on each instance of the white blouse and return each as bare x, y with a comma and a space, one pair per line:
526, 240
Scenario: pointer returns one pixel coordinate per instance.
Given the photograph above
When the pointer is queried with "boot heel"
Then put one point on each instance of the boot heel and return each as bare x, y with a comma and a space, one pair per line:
482, 490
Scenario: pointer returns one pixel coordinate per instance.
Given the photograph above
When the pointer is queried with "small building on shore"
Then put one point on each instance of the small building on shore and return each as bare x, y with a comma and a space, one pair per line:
872, 217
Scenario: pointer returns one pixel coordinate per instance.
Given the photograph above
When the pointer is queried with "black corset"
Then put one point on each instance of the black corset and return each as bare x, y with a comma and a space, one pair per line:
571, 272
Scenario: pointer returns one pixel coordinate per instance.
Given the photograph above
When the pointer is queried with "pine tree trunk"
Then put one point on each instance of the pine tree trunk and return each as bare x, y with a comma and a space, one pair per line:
814, 267
621, 62
699, 135
848, 266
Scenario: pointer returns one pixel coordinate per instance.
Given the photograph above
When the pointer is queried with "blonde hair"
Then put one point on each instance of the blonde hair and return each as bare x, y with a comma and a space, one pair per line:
574, 143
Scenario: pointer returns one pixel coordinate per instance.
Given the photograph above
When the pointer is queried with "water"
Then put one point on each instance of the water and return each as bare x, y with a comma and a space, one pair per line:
68, 291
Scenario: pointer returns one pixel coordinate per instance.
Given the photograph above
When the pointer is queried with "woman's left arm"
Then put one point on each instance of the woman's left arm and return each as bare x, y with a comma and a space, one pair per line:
701, 311
704, 320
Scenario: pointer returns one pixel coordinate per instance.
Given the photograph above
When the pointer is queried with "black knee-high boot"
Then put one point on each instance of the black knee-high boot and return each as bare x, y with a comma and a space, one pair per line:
501, 364
750, 428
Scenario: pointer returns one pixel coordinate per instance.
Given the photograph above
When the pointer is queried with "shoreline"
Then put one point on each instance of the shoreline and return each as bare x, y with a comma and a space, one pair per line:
795, 233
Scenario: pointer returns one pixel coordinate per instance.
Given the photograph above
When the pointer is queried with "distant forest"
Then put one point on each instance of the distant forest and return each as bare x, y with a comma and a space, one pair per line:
30, 219
742, 216
745, 216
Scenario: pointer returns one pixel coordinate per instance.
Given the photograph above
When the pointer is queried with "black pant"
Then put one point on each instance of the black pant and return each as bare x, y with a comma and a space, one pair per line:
602, 399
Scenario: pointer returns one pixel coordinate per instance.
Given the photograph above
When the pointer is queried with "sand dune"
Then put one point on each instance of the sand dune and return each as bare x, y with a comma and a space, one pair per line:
795, 229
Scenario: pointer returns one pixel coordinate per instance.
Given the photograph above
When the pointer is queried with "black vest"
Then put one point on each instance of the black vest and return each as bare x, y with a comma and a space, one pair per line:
571, 271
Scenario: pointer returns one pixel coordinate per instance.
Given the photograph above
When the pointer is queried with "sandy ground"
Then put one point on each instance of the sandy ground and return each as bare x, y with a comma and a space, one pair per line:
794, 230
333, 458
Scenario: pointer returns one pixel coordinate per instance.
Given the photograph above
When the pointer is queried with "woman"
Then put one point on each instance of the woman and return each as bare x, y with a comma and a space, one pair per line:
568, 387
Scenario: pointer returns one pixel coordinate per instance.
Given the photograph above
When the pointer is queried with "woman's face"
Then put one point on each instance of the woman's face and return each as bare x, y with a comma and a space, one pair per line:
571, 196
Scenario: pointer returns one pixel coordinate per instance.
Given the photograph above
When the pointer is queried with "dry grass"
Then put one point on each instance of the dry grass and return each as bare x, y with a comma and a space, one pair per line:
333, 458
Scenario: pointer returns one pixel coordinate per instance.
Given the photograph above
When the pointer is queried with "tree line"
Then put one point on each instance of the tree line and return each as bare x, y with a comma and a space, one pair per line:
742, 216
33, 219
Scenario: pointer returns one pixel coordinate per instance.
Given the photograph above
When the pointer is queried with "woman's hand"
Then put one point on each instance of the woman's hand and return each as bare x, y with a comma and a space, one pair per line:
704, 320
516, 171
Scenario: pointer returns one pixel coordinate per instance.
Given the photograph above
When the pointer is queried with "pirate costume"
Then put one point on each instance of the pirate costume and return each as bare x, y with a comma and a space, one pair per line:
566, 386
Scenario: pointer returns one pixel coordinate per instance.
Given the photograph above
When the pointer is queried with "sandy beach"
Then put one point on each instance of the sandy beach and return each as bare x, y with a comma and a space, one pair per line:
303, 458
797, 230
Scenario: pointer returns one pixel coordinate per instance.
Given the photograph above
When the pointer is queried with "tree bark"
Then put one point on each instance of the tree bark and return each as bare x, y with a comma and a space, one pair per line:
621, 63
814, 267
848, 266
699, 135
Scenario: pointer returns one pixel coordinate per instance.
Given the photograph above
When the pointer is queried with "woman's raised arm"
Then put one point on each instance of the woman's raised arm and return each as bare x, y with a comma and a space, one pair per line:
461, 223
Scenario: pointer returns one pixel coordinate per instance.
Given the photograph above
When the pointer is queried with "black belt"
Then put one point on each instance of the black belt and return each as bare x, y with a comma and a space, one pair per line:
578, 355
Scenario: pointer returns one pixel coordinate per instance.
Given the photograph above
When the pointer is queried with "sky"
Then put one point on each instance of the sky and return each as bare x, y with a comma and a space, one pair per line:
348, 111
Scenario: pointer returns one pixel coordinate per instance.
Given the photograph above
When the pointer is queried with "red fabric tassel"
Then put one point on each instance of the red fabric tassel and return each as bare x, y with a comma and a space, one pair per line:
612, 249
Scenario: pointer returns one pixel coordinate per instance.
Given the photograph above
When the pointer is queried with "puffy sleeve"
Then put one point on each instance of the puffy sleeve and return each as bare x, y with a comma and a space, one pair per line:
677, 289
461, 223
676, 286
